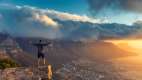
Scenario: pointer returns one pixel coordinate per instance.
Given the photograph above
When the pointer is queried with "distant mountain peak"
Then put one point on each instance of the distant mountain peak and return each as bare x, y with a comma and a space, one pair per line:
9, 42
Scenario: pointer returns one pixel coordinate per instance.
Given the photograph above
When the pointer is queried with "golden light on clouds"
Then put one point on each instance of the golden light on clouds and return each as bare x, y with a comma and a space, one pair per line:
46, 20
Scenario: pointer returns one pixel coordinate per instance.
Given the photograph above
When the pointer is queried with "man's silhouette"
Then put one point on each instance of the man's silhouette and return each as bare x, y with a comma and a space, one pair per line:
40, 46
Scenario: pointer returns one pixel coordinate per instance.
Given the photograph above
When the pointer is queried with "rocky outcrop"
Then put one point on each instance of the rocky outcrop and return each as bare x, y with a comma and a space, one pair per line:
15, 74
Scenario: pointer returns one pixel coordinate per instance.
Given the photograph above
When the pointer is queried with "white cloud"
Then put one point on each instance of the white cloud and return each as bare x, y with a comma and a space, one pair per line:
45, 20
47, 16
72, 17
52, 14
65, 16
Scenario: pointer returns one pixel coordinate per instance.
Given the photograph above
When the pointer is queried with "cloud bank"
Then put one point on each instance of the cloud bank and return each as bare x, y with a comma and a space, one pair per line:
125, 5
67, 16
34, 22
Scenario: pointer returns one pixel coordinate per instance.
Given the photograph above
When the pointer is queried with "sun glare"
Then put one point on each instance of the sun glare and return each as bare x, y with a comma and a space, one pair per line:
136, 44
131, 43
128, 45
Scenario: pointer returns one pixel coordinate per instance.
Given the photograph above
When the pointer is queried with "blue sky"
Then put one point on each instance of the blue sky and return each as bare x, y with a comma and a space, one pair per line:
71, 6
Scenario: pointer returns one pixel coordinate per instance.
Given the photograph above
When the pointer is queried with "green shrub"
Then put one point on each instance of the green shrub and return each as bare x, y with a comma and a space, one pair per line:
7, 63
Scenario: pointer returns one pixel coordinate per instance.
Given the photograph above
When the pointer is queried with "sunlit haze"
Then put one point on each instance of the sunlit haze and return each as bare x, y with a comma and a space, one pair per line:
130, 45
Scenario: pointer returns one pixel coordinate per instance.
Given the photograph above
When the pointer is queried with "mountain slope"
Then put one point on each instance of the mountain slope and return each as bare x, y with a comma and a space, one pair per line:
65, 51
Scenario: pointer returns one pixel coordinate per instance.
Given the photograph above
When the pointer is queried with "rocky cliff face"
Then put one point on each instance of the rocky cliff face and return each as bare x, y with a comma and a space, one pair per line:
15, 74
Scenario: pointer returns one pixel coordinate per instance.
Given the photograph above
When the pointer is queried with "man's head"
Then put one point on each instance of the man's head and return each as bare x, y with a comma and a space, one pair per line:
40, 41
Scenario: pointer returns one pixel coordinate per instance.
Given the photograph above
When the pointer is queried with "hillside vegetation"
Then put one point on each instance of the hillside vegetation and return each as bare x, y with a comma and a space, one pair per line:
7, 63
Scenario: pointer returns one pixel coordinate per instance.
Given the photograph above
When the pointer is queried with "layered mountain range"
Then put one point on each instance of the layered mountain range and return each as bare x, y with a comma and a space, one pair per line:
60, 52
74, 60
